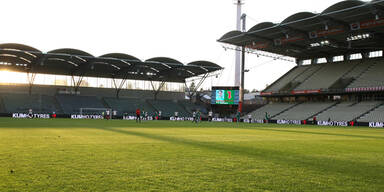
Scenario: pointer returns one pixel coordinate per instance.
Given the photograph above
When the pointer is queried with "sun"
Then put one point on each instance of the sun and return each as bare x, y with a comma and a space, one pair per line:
7, 76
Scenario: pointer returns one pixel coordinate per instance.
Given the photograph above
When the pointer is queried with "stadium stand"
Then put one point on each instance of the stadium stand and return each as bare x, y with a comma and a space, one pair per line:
347, 111
72, 104
168, 108
287, 78
327, 75
304, 111
2, 107
190, 107
17, 103
128, 106
302, 77
272, 110
373, 77
376, 115
350, 49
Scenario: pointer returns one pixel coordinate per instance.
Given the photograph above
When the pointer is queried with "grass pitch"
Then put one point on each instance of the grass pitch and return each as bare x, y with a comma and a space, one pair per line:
100, 155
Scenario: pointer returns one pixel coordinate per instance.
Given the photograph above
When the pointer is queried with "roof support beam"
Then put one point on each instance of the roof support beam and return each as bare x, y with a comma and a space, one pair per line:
31, 79
157, 90
192, 91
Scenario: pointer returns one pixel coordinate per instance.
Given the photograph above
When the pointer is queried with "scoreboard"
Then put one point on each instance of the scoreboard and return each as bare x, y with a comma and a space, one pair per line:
225, 96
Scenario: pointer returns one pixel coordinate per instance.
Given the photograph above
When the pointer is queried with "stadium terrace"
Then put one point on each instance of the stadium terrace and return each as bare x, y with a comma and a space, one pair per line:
340, 65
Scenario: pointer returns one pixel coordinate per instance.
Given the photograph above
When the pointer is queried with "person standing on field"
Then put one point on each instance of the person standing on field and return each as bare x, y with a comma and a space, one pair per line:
238, 117
30, 114
210, 114
138, 116
198, 116
107, 114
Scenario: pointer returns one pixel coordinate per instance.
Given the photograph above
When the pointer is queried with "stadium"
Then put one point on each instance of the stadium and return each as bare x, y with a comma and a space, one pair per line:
72, 121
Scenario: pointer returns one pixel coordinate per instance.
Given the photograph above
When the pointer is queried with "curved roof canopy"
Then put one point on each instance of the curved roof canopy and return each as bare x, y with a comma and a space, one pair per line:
74, 62
335, 31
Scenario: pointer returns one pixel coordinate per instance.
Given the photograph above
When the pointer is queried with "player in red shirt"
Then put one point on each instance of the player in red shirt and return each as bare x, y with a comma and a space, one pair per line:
138, 116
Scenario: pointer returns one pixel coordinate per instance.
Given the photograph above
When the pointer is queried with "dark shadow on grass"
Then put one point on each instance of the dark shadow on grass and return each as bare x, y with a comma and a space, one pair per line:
366, 172
315, 133
68, 123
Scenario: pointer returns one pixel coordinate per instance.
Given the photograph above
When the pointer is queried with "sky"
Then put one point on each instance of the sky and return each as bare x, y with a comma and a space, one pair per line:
186, 30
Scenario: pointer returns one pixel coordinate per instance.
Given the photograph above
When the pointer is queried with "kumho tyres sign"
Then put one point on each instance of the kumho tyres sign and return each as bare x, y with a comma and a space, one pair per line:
376, 124
26, 116
333, 123
87, 117
289, 122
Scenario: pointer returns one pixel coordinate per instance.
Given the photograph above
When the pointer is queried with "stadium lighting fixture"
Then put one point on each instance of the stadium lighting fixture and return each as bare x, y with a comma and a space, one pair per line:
360, 37
320, 44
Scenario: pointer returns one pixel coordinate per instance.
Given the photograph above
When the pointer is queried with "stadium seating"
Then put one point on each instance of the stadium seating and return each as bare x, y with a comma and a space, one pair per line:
377, 115
2, 107
325, 76
290, 76
340, 75
72, 104
304, 111
168, 108
358, 69
21, 103
190, 107
129, 106
347, 111
272, 110
373, 77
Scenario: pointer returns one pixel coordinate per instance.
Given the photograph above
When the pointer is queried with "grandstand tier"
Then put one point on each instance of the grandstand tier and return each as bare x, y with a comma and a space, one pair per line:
62, 100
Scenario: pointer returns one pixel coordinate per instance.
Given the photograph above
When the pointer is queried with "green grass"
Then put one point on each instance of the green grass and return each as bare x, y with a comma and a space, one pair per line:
99, 155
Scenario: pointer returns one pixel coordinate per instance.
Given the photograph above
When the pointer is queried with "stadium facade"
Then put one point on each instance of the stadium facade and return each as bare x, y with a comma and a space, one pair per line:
64, 101
339, 77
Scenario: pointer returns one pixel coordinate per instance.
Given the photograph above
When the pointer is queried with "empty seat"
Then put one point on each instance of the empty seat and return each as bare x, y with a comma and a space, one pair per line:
72, 104
21, 103
346, 111
272, 110
129, 106
304, 111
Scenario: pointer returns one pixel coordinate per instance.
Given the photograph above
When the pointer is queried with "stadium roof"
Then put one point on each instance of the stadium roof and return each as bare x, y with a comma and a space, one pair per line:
350, 26
73, 62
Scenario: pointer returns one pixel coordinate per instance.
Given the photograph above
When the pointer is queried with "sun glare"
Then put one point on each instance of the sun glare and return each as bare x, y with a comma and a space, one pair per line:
7, 76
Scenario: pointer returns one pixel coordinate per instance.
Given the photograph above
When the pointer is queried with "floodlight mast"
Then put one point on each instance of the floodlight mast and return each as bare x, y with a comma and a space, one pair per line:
239, 4
241, 99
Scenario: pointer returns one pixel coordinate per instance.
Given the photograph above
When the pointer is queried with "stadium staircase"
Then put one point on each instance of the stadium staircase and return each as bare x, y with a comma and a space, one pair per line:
322, 111
281, 78
366, 70
106, 105
2, 106
287, 109
345, 79
306, 76
57, 106
370, 111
